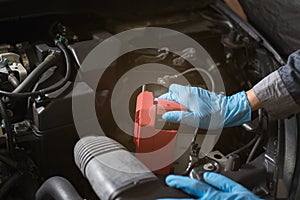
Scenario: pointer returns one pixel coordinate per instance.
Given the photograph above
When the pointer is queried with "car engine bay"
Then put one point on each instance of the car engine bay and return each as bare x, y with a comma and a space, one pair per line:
38, 70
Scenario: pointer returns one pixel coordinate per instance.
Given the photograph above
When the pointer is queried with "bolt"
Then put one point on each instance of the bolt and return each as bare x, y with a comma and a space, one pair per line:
6, 60
208, 167
228, 55
75, 37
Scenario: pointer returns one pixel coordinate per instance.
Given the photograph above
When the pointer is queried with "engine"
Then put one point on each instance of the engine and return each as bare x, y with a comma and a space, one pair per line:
39, 74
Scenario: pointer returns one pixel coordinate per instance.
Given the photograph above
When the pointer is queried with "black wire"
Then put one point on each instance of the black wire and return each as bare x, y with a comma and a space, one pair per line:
256, 145
245, 147
7, 126
68, 70
259, 140
42, 92
51, 60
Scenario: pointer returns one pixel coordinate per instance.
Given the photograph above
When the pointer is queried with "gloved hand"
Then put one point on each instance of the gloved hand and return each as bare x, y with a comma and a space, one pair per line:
207, 110
224, 188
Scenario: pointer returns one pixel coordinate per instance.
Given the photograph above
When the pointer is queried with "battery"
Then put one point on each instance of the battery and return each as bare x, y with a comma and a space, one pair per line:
151, 132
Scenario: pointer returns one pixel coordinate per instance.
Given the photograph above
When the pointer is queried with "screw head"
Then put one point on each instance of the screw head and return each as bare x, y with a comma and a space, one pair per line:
6, 60
209, 167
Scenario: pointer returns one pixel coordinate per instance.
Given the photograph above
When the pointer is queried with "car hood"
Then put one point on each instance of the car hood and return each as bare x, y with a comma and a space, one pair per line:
278, 21
134, 8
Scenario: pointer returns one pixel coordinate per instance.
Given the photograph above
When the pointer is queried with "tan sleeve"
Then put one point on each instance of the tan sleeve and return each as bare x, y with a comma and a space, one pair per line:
274, 97
237, 8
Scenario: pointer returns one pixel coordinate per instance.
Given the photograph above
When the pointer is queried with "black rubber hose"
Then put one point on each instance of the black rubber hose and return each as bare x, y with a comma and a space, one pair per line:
49, 89
68, 70
245, 146
31, 79
13, 164
57, 188
9, 184
7, 126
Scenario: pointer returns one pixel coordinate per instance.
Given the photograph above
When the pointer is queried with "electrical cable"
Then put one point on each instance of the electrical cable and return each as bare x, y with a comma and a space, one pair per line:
220, 21
188, 71
245, 146
259, 140
193, 153
50, 89
31, 79
7, 126
256, 145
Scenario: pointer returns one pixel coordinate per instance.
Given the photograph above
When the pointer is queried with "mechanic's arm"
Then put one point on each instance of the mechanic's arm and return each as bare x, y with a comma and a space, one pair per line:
278, 94
253, 100
237, 8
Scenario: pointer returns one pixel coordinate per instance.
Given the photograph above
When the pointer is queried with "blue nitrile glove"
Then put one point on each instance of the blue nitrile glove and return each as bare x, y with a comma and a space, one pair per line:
207, 110
223, 187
